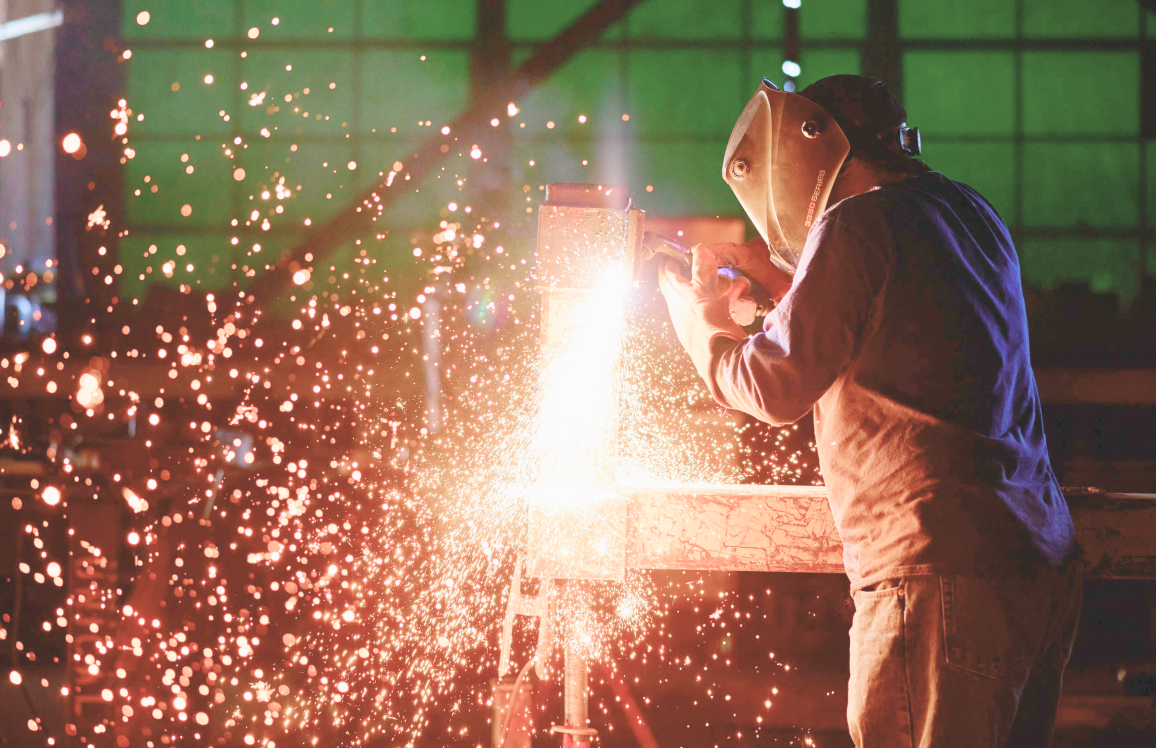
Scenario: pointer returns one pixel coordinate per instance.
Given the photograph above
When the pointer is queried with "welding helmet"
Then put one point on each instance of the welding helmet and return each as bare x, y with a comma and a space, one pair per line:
873, 120
787, 149
781, 161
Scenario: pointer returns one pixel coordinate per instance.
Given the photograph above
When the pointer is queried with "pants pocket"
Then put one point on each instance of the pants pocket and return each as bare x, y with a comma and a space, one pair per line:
976, 631
877, 691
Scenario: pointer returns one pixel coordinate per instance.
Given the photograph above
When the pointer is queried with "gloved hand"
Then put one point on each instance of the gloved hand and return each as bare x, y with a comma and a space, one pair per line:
700, 307
753, 259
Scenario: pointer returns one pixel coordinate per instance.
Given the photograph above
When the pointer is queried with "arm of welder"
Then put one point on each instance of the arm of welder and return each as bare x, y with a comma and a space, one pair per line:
809, 339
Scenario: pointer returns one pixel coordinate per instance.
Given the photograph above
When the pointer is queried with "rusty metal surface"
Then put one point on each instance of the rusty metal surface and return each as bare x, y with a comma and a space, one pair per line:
790, 529
733, 528
576, 246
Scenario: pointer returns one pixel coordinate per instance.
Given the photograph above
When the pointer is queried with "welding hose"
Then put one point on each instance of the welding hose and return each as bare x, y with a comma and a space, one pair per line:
513, 703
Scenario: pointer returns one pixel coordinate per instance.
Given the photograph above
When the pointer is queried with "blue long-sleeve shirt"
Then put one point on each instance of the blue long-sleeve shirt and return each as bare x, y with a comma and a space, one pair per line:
905, 329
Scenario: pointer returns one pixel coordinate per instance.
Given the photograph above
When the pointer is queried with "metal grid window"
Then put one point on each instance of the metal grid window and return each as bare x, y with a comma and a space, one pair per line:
1037, 103
1034, 102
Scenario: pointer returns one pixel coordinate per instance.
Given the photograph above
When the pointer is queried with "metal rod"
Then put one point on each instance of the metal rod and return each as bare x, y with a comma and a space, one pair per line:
577, 685
576, 733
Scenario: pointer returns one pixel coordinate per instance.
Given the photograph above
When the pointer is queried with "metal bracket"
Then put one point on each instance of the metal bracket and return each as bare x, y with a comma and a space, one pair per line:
531, 606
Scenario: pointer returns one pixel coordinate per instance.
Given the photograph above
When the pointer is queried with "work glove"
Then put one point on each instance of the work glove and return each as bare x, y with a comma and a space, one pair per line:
753, 260
700, 307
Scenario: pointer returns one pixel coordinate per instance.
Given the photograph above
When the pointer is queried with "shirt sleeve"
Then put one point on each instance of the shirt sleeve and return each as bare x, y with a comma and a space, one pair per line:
810, 338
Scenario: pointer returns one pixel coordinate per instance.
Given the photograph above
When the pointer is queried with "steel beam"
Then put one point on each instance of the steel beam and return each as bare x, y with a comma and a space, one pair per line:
790, 529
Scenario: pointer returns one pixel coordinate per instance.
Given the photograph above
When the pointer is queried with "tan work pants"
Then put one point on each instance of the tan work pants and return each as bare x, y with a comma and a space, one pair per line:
961, 661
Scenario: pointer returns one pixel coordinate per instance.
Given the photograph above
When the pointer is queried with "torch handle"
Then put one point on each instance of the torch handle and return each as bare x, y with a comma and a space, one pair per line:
657, 245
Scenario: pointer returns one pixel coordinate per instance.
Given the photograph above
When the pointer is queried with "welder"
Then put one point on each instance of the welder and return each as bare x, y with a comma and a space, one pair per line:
900, 322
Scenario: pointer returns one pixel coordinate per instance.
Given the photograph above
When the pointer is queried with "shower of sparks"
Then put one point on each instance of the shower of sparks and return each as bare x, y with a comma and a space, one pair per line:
575, 434
308, 549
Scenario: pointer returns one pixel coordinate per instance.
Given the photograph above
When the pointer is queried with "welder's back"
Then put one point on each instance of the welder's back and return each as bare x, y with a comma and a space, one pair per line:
906, 329
933, 441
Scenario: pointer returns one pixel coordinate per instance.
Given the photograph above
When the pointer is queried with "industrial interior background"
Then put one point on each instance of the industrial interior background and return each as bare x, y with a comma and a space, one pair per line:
1047, 107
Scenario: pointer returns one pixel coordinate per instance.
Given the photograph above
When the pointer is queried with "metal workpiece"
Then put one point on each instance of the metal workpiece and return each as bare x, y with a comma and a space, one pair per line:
732, 528
587, 236
790, 529
584, 231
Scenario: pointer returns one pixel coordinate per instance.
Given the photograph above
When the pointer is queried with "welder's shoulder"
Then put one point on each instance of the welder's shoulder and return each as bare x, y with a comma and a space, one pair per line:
864, 215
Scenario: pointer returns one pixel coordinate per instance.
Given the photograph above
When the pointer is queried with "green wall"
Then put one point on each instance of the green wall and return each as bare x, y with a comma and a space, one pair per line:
1034, 102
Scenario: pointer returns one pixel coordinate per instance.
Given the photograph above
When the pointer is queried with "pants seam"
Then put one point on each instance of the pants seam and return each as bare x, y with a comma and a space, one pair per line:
906, 665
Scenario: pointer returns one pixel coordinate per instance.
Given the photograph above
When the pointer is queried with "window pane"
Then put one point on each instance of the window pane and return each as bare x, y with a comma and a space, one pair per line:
1081, 184
1151, 151
560, 160
194, 107
210, 254
1069, 93
687, 179
820, 63
418, 19
815, 64
766, 20
1080, 18
316, 176
951, 19
686, 92
765, 63
687, 19
413, 203
988, 167
1106, 265
206, 189
399, 89
587, 85
199, 20
534, 19
321, 110
298, 20
833, 19
960, 93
